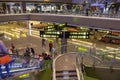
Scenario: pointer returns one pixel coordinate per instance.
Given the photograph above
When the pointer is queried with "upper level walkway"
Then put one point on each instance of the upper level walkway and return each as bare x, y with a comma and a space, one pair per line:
70, 19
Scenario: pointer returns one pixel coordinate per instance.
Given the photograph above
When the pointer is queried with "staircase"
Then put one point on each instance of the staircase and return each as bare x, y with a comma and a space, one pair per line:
66, 75
64, 68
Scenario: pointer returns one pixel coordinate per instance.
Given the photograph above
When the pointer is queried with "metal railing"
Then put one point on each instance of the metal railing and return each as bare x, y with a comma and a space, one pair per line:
79, 68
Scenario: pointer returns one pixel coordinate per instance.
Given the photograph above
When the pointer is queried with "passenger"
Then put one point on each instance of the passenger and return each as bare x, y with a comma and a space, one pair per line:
17, 52
12, 47
48, 57
25, 62
45, 56
50, 46
40, 61
32, 51
27, 58
5, 60
101, 9
10, 51
43, 43
27, 50
27, 55
106, 4
53, 52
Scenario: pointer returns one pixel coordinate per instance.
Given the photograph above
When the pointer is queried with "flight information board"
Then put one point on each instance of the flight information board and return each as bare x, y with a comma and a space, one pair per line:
65, 34
49, 34
79, 35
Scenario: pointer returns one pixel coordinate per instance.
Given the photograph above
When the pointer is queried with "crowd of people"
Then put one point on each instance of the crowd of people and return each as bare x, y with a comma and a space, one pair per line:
28, 55
89, 9
30, 52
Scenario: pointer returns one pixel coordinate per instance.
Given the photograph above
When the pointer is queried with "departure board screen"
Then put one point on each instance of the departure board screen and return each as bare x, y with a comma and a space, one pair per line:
65, 34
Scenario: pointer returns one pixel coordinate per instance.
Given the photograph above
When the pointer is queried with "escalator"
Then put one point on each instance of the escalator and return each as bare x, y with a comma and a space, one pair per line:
18, 69
31, 71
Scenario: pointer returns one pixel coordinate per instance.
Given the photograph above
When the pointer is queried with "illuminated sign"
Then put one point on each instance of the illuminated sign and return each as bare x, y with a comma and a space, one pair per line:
65, 34
79, 35
49, 34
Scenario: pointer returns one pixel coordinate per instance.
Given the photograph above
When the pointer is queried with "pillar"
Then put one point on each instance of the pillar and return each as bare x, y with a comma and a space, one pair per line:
63, 43
29, 28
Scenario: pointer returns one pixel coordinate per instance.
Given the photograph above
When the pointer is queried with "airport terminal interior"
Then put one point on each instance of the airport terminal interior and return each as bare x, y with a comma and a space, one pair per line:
59, 39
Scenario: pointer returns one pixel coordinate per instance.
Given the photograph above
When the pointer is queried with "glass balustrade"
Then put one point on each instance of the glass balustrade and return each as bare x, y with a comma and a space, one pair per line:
97, 9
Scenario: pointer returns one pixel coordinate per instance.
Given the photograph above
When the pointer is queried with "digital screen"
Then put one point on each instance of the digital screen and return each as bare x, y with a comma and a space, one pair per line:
65, 34
49, 34
79, 35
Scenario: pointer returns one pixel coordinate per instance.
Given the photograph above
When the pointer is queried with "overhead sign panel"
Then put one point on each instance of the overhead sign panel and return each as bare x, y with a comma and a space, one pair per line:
66, 34
49, 34
79, 35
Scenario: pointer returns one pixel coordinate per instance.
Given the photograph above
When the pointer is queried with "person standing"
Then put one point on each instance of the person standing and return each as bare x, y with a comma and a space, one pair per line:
53, 52
27, 55
106, 4
50, 46
43, 42
5, 59
32, 51
17, 52
40, 61
12, 47
27, 50
101, 9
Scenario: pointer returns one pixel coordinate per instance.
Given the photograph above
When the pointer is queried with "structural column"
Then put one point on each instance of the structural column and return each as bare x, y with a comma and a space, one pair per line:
63, 43
29, 28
